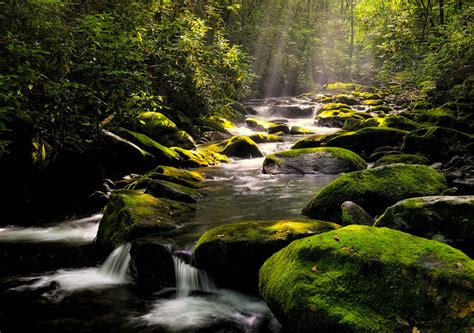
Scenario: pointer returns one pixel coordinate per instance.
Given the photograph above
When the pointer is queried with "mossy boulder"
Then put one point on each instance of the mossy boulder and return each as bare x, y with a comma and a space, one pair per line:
313, 160
381, 108
188, 178
366, 95
298, 130
365, 141
355, 124
334, 106
439, 143
340, 98
291, 111
402, 158
400, 122
242, 147
278, 128
162, 154
341, 86
449, 219
372, 102
367, 279
352, 213
375, 190
315, 141
199, 157
155, 124
173, 191
130, 214
337, 118
452, 115
258, 124
265, 138
233, 253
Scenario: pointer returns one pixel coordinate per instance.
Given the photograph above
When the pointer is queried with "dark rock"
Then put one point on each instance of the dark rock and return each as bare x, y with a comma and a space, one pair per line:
352, 213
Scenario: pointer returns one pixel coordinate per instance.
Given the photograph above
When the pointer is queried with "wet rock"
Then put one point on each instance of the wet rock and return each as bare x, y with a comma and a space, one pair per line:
375, 190
340, 98
464, 186
292, 111
297, 130
258, 124
169, 190
162, 154
265, 138
365, 141
200, 157
402, 158
365, 279
154, 124
242, 147
130, 214
315, 141
187, 178
372, 102
337, 118
233, 253
313, 160
151, 264
449, 219
352, 213
276, 128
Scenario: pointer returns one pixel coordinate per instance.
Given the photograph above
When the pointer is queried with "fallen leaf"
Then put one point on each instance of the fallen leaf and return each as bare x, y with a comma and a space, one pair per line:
337, 239
314, 268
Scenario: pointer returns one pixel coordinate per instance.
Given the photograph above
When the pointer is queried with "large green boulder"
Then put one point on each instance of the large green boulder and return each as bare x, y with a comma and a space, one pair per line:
326, 160
242, 147
233, 253
401, 158
334, 106
454, 115
200, 157
315, 141
337, 118
449, 219
131, 213
439, 143
162, 154
365, 141
366, 279
154, 124
375, 190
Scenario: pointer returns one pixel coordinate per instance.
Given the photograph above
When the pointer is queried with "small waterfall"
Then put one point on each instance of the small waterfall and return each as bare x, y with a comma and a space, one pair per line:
189, 279
117, 263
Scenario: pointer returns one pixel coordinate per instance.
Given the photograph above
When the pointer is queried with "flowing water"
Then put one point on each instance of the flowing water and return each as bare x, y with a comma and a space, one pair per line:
52, 279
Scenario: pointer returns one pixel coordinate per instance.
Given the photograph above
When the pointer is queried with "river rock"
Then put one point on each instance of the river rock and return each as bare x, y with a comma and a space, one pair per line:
162, 154
367, 279
277, 128
313, 160
155, 124
187, 178
365, 141
173, 191
402, 158
453, 115
352, 213
199, 157
439, 143
340, 98
265, 138
151, 264
337, 118
242, 147
375, 190
315, 141
449, 219
291, 111
258, 124
233, 253
130, 214
298, 130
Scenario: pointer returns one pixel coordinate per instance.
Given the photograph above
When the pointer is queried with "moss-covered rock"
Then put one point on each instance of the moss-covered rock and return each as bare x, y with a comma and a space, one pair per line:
366, 95
452, 115
375, 190
334, 106
449, 219
258, 124
438, 143
366, 279
223, 122
313, 160
278, 128
340, 98
365, 141
372, 102
200, 157
298, 130
233, 253
400, 122
315, 141
155, 124
130, 214
290, 111
173, 191
337, 118
265, 138
352, 213
162, 154
341, 86
242, 147
381, 108
402, 158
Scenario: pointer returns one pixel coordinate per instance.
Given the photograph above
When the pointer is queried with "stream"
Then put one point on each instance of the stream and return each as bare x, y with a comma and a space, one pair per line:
52, 279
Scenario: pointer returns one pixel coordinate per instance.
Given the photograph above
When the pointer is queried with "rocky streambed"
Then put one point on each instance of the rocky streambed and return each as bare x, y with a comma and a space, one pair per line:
335, 212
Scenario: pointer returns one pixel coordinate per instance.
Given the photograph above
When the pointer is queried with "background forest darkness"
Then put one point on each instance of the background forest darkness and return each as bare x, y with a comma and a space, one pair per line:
70, 68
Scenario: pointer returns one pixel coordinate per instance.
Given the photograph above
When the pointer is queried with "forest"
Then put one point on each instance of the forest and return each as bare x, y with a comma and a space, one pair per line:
237, 165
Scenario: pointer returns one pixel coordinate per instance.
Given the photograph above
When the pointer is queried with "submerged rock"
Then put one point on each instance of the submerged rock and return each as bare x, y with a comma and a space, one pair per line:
130, 214
449, 219
352, 213
402, 158
151, 264
366, 279
233, 253
313, 160
375, 190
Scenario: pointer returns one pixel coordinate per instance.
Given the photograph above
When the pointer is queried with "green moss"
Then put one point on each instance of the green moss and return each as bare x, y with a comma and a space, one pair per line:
264, 138
233, 253
445, 218
173, 191
334, 106
161, 153
402, 158
130, 214
241, 146
258, 124
365, 95
175, 173
297, 130
315, 141
337, 118
199, 157
154, 124
225, 123
381, 108
340, 86
366, 279
375, 189
372, 102
366, 140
